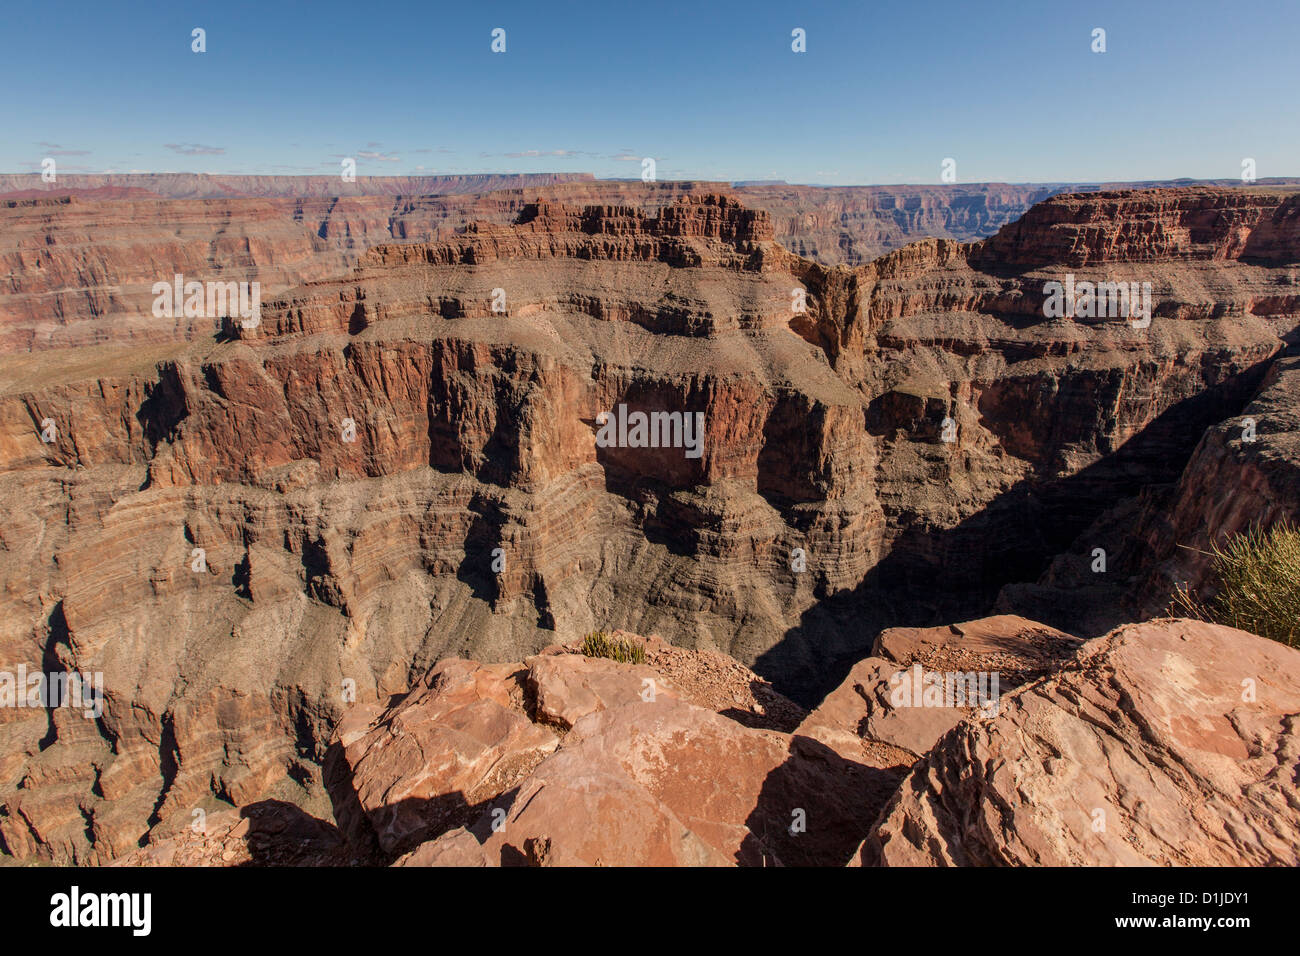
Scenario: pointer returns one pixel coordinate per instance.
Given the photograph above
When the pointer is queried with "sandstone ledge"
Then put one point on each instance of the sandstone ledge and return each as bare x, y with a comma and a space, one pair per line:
1173, 742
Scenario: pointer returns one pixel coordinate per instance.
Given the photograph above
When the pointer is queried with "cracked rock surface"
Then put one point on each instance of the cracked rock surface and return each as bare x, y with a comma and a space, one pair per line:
1170, 743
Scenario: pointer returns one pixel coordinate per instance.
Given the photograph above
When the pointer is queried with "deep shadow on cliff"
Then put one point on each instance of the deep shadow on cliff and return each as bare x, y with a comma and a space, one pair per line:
933, 576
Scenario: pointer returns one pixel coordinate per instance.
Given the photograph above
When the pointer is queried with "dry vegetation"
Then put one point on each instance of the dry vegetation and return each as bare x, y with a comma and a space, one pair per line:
1258, 585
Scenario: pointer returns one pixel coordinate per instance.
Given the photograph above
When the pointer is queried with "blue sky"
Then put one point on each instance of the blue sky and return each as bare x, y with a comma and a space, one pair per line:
885, 92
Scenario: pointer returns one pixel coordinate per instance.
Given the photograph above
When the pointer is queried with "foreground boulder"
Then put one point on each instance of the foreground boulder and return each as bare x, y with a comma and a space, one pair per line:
1172, 742
666, 783
574, 760
455, 742
919, 682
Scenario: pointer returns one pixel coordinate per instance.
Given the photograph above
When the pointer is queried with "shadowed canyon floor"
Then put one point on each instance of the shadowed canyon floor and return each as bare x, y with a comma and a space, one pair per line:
298, 552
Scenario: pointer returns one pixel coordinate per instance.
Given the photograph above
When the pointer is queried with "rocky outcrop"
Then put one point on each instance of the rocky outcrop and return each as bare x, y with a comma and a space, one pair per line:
1165, 743
448, 749
664, 783
1171, 743
566, 759
921, 682
1132, 226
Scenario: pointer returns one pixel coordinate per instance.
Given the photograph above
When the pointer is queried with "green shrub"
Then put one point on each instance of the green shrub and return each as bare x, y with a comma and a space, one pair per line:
1258, 579
600, 644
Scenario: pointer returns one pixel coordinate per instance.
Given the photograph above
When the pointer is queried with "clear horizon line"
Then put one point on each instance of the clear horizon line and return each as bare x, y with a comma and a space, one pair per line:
53, 187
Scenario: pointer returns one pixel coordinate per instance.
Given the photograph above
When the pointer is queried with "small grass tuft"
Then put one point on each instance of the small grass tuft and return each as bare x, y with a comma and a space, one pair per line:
1258, 585
600, 644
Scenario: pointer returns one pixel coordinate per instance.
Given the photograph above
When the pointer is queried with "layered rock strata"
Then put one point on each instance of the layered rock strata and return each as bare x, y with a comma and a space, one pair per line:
245, 534
80, 259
